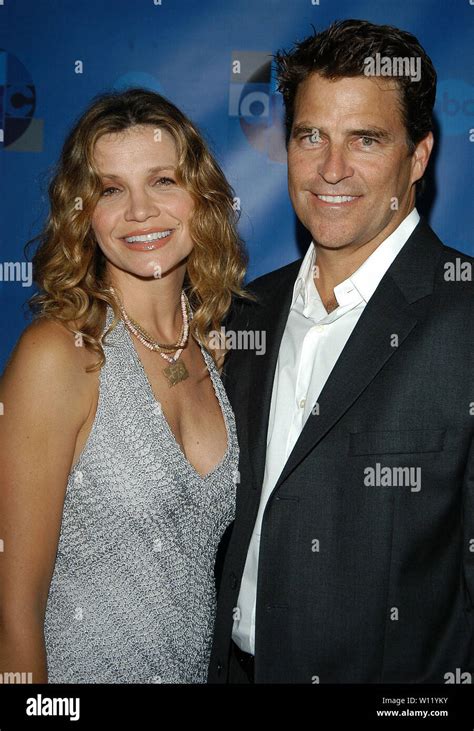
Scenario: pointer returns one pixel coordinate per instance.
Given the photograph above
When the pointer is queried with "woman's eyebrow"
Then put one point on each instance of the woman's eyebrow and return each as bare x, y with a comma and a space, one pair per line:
155, 169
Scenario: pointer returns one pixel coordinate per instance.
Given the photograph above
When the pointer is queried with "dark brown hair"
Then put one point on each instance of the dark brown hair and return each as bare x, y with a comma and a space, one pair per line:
342, 49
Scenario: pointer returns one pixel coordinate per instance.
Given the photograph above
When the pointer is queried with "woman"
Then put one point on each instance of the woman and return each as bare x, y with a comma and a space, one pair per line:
119, 450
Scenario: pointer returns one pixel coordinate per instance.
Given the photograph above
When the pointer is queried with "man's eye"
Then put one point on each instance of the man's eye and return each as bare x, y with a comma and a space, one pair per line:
313, 137
367, 141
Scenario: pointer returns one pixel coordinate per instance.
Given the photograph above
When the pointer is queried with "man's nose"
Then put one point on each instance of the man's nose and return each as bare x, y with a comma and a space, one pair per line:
335, 166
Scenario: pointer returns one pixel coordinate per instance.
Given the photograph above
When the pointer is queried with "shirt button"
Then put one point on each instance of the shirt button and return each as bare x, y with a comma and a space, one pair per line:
319, 328
302, 403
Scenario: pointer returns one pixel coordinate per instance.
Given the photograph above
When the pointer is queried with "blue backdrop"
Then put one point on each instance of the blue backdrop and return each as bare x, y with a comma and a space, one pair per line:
184, 49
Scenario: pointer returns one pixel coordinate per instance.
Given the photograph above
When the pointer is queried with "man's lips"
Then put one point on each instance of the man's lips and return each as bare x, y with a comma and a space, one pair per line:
331, 199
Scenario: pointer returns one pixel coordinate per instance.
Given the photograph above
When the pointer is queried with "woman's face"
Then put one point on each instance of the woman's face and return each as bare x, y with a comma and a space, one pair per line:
141, 221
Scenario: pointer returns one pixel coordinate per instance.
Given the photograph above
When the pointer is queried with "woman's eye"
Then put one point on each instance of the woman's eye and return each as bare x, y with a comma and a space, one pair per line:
165, 181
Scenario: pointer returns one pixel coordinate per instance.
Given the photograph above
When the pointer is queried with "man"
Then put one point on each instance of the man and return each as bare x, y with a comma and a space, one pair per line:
352, 554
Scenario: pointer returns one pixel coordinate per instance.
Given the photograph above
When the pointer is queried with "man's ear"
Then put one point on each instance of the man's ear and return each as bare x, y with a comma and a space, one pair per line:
421, 156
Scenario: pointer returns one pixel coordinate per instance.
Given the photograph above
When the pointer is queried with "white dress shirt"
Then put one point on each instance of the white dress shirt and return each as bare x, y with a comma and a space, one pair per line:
310, 346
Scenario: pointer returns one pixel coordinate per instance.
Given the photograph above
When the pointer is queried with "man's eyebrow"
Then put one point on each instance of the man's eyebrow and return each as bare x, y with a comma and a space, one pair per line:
155, 169
299, 129
377, 132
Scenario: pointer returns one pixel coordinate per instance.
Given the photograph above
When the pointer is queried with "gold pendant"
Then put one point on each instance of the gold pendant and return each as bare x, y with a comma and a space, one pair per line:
176, 372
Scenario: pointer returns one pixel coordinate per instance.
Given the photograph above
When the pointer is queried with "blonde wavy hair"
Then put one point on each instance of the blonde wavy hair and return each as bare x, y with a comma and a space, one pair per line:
69, 266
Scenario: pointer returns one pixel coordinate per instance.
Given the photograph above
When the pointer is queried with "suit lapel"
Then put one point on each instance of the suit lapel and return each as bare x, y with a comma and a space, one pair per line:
366, 352
391, 310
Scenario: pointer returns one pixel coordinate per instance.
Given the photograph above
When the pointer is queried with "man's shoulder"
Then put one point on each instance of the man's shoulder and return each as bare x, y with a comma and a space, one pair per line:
424, 231
427, 265
280, 278
450, 254
456, 270
262, 291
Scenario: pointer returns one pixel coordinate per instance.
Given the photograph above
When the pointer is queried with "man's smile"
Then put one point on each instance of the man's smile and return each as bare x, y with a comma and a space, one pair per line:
335, 200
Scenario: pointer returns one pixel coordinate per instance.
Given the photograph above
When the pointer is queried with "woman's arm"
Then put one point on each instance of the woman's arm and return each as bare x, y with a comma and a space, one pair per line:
46, 398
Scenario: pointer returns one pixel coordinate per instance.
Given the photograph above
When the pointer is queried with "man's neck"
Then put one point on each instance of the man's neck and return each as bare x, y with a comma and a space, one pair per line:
334, 266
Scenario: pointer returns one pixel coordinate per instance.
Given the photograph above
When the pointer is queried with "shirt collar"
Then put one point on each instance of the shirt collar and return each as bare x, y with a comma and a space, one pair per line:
367, 277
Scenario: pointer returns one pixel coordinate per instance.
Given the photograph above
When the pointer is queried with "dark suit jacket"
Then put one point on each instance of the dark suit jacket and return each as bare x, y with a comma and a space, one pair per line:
389, 595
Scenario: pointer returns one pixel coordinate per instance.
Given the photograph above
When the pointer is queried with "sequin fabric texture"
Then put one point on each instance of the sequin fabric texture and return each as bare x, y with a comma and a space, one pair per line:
132, 596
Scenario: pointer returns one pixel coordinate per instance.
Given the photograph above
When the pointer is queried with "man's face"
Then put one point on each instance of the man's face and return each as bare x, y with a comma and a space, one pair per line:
348, 139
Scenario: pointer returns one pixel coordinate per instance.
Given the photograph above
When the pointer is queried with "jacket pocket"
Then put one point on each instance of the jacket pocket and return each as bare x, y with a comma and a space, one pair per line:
397, 442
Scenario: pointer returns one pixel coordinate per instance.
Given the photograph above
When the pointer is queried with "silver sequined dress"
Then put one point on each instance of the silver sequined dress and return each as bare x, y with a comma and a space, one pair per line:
132, 597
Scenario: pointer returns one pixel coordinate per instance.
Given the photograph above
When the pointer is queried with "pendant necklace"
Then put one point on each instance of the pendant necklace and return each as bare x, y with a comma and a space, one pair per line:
176, 371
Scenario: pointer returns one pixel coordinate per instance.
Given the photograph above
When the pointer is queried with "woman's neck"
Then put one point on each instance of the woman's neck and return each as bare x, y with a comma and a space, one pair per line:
154, 304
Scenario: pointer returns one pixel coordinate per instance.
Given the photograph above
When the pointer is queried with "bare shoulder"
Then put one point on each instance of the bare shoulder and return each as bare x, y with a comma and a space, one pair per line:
46, 400
51, 345
47, 358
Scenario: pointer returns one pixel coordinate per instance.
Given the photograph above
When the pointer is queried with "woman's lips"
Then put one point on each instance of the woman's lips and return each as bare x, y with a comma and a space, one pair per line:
151, 243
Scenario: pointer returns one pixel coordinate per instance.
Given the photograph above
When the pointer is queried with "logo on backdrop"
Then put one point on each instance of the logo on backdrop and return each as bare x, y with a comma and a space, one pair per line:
455, 106
19, 130
255, 102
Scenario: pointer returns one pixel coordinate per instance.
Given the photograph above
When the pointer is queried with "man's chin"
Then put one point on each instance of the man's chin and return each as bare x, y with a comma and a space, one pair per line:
331, 244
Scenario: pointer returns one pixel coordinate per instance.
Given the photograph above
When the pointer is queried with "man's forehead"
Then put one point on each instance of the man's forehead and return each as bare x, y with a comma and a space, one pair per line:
358, 101
354, 87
